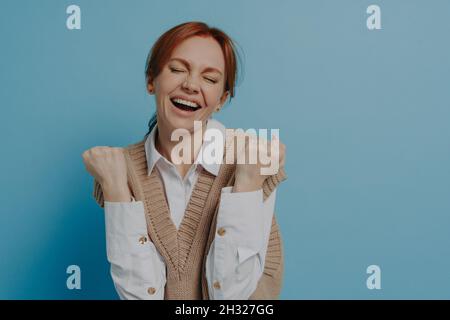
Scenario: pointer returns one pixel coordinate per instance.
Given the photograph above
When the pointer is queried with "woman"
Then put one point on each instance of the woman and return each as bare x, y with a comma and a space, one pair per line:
189, 230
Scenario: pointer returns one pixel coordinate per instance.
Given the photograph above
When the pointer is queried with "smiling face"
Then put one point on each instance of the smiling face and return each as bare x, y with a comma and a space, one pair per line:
190, 85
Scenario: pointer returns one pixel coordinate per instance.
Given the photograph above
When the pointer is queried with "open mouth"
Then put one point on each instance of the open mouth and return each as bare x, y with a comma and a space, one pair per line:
185, 105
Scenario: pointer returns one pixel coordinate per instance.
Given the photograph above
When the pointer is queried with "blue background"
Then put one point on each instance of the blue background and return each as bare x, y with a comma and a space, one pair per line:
364, 114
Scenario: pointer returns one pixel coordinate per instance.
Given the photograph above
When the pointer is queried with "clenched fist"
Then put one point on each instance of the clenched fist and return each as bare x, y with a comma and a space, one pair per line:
251, 173
108, 166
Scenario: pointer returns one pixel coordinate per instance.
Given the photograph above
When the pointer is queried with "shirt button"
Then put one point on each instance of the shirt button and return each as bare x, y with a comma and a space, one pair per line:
221, 231
216, 285
151, 290
142, 239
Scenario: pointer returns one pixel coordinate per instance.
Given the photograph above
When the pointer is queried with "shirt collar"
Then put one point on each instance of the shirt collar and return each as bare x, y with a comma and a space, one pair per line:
153, 156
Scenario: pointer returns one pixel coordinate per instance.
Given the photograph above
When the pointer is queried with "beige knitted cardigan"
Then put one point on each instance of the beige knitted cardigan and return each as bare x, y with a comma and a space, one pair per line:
185, 250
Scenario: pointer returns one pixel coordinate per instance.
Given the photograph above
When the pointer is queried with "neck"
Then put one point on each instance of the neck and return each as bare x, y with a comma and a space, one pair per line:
165, 145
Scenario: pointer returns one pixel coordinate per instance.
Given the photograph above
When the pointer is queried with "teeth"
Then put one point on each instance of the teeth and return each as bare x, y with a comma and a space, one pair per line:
186, 103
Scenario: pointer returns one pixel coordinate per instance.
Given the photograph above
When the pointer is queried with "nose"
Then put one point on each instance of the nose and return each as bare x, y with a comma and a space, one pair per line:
190, 86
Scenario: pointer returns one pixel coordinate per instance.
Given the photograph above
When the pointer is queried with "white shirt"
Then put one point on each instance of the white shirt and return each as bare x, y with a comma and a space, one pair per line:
235, 260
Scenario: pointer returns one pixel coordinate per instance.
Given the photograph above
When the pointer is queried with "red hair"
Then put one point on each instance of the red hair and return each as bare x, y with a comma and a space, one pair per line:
164, 46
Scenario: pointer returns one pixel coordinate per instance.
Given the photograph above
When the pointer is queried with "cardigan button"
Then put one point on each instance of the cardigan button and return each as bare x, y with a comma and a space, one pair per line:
216, 285
151, 290
221, 231
142, 239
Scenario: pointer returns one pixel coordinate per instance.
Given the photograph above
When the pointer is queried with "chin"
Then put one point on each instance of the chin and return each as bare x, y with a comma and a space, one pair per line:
180, 123
185, 123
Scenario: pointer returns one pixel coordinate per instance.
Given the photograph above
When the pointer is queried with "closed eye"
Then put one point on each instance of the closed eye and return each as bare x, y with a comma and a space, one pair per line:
175, 70
211, 80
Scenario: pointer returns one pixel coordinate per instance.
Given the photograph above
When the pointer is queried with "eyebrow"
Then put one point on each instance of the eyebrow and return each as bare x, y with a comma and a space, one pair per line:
187, 64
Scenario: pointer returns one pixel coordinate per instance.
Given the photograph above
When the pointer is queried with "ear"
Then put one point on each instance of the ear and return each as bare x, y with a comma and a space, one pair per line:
224, 98
150, 86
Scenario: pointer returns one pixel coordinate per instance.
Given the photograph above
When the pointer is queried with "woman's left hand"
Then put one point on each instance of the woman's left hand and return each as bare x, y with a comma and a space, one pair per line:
250, 177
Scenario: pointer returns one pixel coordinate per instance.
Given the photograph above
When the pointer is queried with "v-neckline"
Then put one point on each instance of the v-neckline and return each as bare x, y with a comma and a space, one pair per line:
166, 204
177, 246
161, 223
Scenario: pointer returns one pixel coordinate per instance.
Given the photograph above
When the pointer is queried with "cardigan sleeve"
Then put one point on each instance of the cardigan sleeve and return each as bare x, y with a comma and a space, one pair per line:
272, 181
236, 260
270, 283
98, 194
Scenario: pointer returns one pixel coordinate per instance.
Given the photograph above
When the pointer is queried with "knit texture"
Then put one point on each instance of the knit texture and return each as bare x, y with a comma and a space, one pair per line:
185, 250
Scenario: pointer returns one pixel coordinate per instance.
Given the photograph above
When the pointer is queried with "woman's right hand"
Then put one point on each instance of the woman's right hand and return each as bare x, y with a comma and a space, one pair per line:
108, 166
